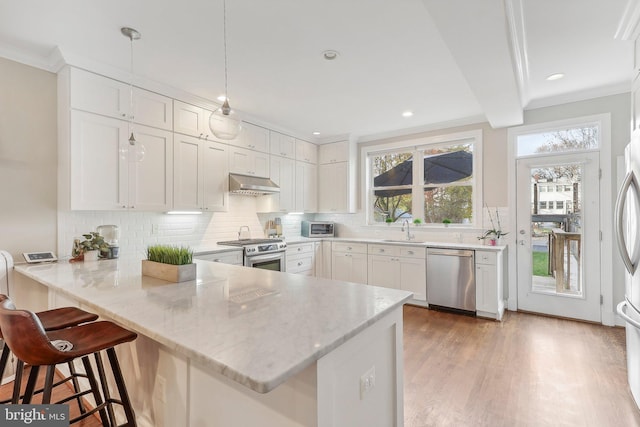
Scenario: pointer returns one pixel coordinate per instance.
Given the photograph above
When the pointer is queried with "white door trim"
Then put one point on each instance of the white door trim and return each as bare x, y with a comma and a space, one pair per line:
607, 200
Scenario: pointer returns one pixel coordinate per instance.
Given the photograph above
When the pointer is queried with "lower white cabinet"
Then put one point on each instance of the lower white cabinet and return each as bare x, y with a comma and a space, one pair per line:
301, 258
349, 262
399, 267
489, 284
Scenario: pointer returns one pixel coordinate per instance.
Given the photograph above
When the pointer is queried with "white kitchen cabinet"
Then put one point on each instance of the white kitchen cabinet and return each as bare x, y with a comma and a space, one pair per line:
282, 145
349, 262
306, 187
283, 173
201, 176
253, 137
334, 152
306, 151
333, 190
248, 162
323, 259
301, 258
101, 95
399, 267
191, 120
227, 257
104, 173
489, 284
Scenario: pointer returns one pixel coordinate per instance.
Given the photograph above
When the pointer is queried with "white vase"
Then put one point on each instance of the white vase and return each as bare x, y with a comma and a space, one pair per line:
91, 255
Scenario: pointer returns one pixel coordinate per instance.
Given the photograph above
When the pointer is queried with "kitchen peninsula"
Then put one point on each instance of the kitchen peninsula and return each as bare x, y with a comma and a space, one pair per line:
240, 346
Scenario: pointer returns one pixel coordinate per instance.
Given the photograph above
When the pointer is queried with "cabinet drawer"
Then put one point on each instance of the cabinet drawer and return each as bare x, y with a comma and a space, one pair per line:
413, 252
298, 264
358, 248
388, 250
485, 257
234, 257
306, 248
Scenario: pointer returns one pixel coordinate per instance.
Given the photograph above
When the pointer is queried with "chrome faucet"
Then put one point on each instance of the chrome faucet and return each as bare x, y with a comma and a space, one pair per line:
409, 235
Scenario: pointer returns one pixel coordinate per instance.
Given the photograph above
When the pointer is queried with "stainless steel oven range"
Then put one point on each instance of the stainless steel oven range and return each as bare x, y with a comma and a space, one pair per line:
268, 254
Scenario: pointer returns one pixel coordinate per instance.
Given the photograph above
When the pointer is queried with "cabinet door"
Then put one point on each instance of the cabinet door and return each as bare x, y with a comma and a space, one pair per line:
261, 164
248, 162
187, 182
254, 138
486, 288
282, 145
151, 178
306, 183
359, 268
333, 190
283, 174
151, 109
334, 152
306, 151
215, 176
413, 277
97, 94
341, 266
99, 166
383, 271
190, 120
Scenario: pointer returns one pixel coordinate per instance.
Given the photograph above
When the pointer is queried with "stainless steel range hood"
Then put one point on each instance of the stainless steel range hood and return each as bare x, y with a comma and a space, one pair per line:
251, 185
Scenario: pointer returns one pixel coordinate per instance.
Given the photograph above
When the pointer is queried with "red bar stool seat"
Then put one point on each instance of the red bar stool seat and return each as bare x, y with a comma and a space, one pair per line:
25, 335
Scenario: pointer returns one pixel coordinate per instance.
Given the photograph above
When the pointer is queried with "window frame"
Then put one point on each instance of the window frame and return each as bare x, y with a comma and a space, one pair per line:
417, 146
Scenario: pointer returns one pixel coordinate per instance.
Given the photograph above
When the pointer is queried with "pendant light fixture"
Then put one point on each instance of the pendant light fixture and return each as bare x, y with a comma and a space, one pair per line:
138, 147
224, 122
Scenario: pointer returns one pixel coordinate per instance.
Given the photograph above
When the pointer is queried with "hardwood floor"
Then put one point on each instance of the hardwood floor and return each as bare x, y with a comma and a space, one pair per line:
525, 371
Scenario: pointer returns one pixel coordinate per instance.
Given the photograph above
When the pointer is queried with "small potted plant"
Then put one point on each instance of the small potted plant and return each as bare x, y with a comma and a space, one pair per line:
171, 263
389, 221
446, 222
89, 249
417, 221
494, 234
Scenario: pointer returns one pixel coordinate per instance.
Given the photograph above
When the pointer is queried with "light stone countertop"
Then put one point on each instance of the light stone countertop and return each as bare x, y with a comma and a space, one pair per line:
420, 243
254, 326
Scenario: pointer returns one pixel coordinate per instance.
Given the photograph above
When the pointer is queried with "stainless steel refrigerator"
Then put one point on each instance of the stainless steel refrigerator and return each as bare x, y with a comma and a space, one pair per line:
627, 224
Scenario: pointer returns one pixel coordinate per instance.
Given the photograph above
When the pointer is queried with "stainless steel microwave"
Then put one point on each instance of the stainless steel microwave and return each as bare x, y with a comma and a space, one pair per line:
318, 229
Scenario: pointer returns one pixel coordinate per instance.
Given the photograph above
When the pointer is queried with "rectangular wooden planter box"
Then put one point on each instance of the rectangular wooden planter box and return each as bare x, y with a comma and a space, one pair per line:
169, 272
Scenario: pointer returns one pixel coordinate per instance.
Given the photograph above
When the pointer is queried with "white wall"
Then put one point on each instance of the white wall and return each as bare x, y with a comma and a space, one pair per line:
28, 164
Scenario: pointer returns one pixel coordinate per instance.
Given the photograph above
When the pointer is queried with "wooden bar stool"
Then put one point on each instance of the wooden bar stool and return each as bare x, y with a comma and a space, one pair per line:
27, 339
51, 320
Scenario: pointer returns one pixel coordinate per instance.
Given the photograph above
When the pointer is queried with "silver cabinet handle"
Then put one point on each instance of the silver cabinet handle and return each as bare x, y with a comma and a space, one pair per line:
630, 181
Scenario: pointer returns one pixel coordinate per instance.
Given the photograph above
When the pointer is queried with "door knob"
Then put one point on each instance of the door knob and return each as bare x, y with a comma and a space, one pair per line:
522, 232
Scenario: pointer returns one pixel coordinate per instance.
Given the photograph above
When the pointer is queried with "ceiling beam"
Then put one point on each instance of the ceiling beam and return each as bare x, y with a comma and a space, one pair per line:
477, 35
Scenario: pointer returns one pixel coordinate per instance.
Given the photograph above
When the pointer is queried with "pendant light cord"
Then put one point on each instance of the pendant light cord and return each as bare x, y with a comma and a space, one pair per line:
224, 32
131, 86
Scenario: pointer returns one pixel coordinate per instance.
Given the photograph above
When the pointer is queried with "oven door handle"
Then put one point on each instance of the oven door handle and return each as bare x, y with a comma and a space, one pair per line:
267, 257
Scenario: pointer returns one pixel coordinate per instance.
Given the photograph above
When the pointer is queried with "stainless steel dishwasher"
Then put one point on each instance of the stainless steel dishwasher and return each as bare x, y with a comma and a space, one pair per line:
451, 281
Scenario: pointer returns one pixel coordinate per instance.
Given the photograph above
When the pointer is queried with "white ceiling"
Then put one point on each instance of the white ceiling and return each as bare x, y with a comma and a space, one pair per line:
447, 61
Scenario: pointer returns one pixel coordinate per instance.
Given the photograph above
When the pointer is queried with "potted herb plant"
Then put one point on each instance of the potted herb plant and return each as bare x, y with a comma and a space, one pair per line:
91, 248
494, 234
446, 222
171, 263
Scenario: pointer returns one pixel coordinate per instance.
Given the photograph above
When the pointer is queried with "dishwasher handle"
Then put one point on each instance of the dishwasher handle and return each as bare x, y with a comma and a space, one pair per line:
451, 252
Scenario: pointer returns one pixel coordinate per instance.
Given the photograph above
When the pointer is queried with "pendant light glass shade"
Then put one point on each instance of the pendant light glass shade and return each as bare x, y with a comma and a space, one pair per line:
224, 123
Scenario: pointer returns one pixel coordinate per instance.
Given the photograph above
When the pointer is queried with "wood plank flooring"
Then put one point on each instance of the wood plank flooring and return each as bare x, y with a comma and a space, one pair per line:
525, 371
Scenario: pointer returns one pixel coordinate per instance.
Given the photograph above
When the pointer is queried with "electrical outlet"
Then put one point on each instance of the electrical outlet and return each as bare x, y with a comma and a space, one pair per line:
367, 382
160, 390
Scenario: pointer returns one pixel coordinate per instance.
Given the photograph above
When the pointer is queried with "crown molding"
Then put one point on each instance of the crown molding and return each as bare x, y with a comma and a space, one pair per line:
628, 28
582, 95
518, 42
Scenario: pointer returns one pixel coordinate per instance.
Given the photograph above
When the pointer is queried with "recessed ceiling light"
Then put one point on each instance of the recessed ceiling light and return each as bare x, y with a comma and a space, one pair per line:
330, 55
407, 114
222, 98
556, 76
316, 133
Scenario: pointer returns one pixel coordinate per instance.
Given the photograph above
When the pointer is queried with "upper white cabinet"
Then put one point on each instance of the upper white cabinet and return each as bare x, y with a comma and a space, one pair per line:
248, 162
282, 145
191, 120
306, 151
334, 152
107, 173
201, 176
306, 187
283, 173
336, 178
253, 137
101, 95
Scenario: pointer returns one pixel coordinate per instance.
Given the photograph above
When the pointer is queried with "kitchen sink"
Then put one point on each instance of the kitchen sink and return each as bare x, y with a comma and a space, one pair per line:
403, 241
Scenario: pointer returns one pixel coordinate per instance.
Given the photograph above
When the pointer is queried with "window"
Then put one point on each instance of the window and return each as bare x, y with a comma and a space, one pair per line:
568, 188
543, 188
570, 139
559, 204
559, 188
543, 205
417, 179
